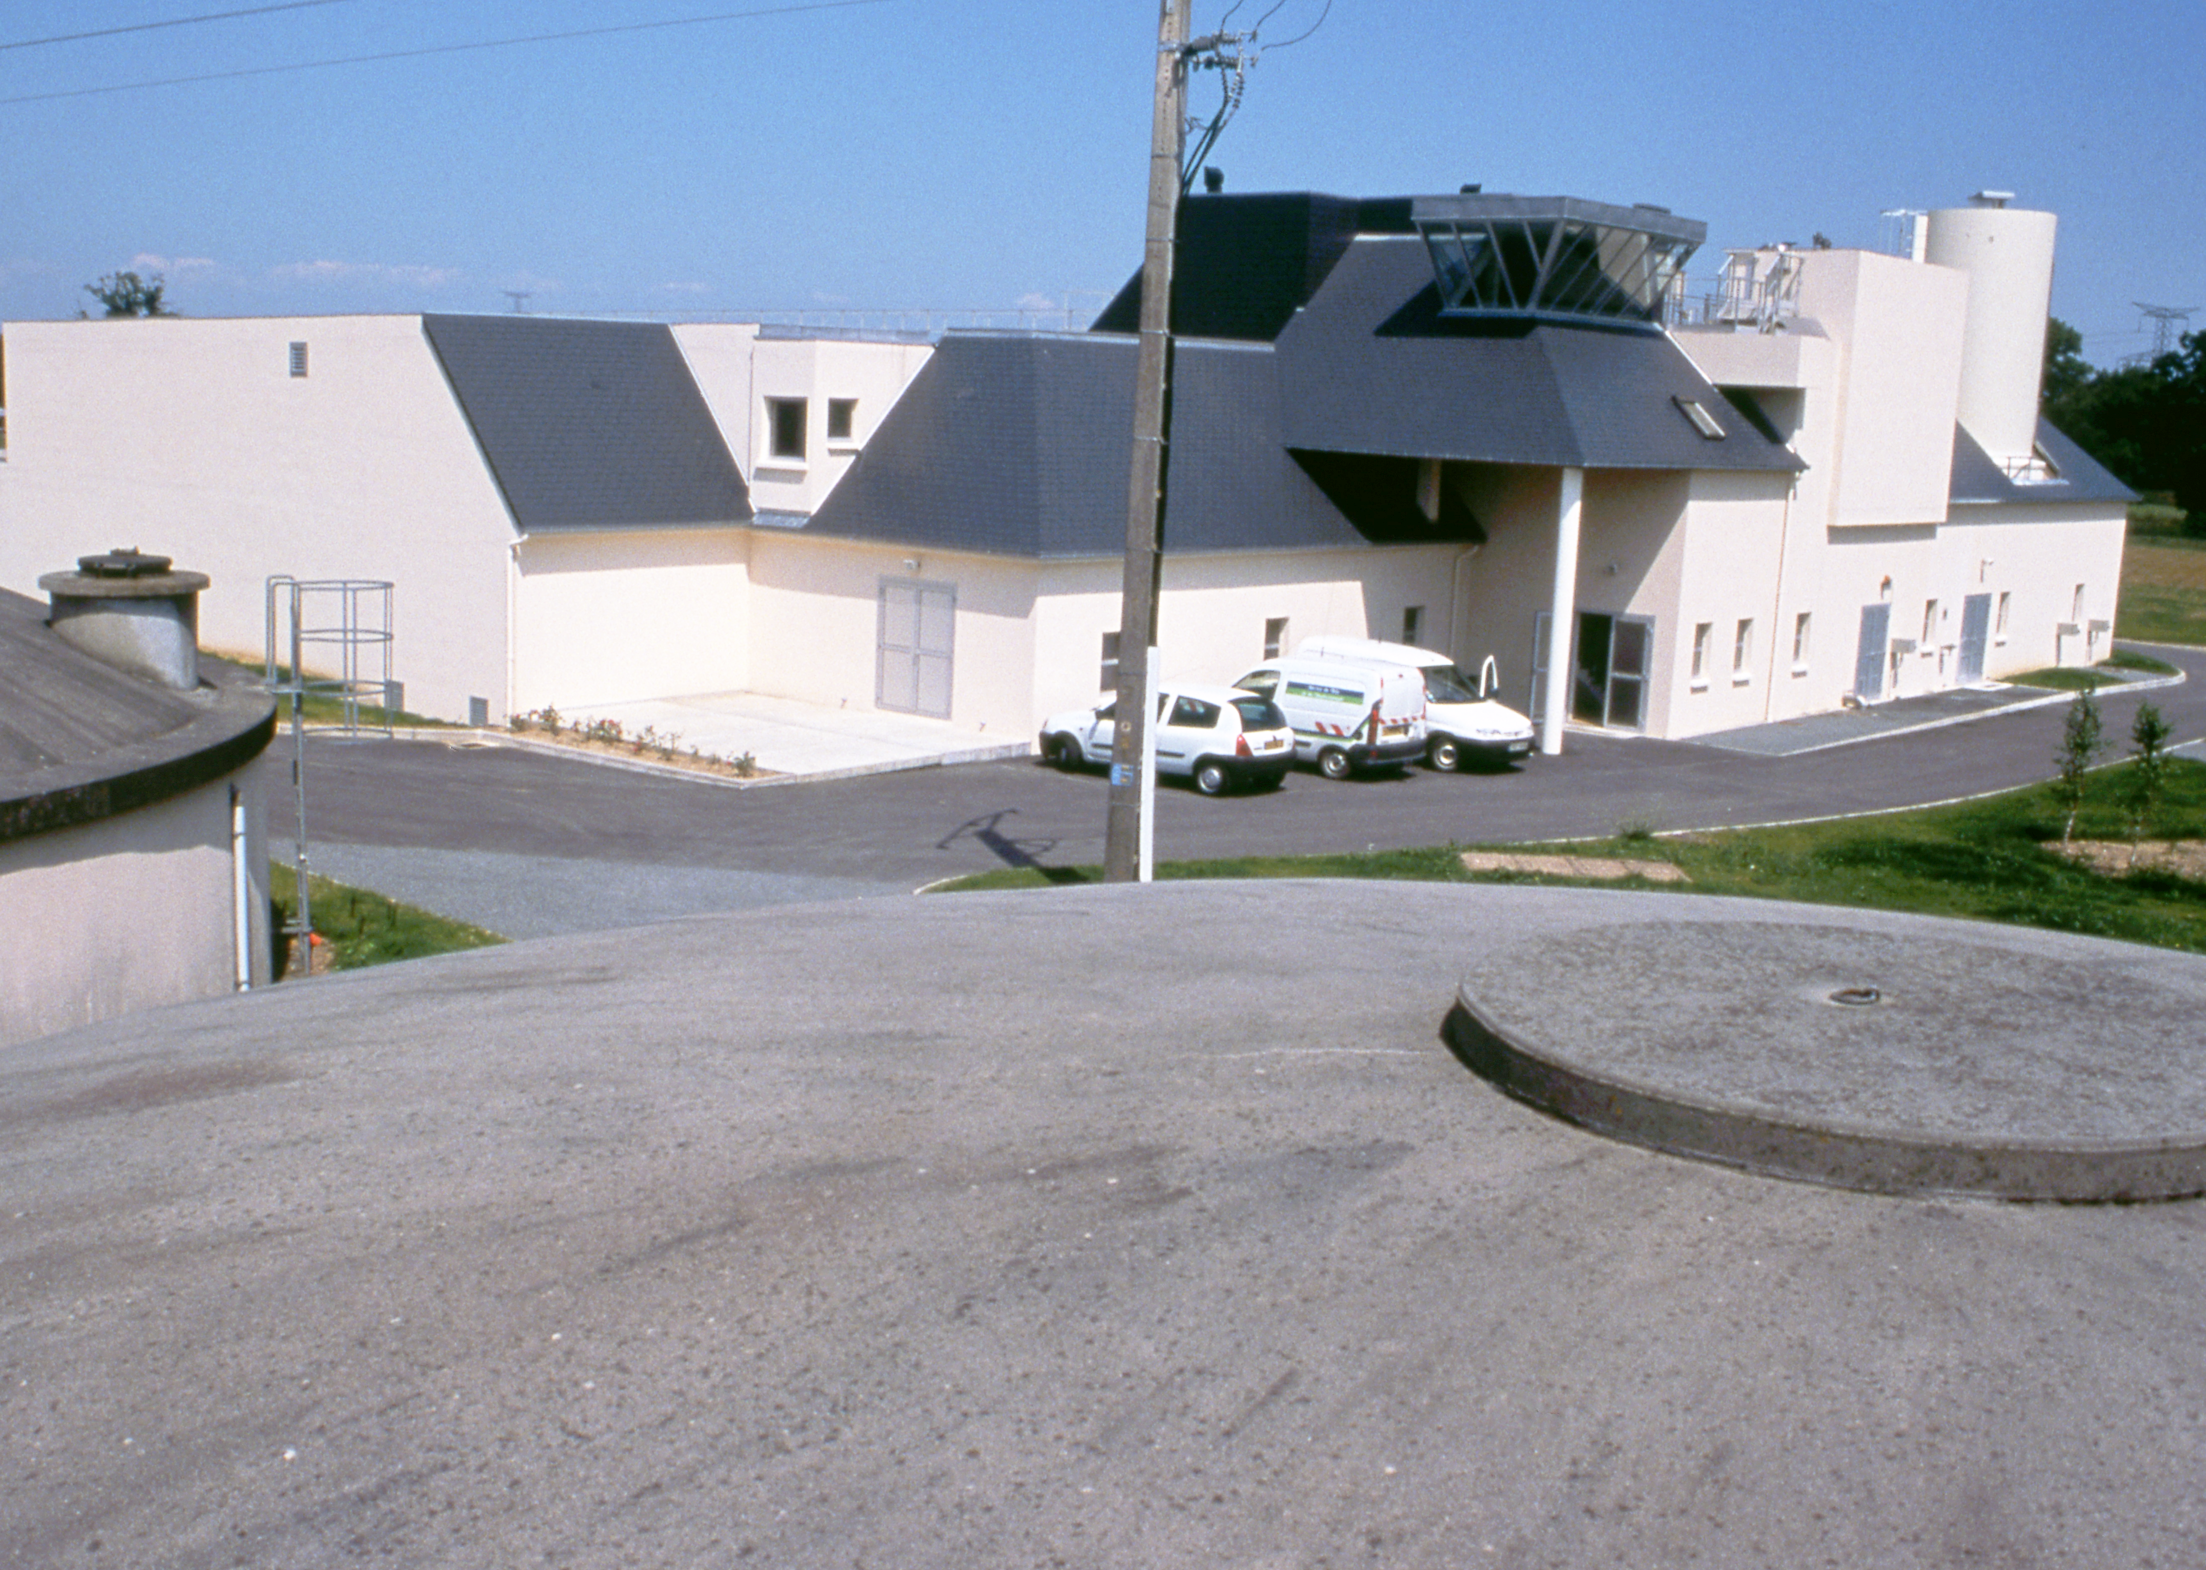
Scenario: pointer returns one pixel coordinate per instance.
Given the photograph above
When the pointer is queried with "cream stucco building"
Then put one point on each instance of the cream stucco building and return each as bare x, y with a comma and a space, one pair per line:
564, 507
1486, 424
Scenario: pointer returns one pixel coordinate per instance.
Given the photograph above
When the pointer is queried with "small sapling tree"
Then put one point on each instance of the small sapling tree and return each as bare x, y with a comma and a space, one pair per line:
2148, 738
2081, 739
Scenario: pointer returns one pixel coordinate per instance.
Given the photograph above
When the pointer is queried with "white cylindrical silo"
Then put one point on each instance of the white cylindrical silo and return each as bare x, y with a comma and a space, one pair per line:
2008, 254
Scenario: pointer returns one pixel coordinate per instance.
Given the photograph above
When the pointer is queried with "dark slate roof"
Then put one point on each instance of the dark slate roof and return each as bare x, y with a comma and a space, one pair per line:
1021, 445
81, 740
1243, 265
1977, 480
1371, 366
589, 425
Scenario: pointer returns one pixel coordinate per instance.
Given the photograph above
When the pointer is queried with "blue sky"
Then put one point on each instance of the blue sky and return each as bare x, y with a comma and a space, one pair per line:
982, 154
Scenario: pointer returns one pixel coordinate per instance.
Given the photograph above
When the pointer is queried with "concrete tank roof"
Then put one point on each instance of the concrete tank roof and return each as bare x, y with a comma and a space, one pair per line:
81, 740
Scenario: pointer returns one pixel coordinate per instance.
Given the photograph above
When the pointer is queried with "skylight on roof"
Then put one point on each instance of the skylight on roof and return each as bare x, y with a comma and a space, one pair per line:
1703, 421
1553, 257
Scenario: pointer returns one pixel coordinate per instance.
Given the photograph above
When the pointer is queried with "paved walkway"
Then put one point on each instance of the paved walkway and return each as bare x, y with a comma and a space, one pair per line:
791, 737
1605, 868
1929, 711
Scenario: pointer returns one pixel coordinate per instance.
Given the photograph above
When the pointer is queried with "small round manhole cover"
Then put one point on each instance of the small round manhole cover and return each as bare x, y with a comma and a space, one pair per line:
1856, 997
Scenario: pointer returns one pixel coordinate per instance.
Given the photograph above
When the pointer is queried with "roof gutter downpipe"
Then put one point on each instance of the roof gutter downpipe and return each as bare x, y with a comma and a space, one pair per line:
1777, 606
1555, 700
1455, 594
241, 890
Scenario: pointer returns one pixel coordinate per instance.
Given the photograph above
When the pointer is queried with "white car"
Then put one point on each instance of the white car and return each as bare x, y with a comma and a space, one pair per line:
1216, 736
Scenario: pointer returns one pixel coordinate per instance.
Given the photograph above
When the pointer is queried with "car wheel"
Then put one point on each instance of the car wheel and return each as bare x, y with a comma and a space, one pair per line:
1333, 764
1445, 754
1066, 751
1210, 777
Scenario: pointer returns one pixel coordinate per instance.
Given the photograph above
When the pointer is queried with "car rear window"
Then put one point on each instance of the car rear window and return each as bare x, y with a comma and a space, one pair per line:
1259, 714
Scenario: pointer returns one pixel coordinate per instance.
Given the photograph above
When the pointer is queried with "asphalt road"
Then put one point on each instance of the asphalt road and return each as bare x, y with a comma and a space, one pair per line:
530, 845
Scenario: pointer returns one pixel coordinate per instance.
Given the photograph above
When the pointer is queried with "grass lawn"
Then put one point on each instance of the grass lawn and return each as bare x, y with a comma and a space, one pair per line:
1984, 860
2163, 590
364, 928
319, 708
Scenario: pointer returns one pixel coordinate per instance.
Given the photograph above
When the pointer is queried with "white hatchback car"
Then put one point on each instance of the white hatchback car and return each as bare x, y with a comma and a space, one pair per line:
1217, 737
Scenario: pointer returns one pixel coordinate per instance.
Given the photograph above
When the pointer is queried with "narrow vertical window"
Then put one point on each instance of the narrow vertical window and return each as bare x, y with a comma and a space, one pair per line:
1275, 637
1109, 678
1702, 633
298, 359
842, 418
1800, 641
785, 418
1999, 627
2075, 609
1413, 623
1742, 648
1930, 623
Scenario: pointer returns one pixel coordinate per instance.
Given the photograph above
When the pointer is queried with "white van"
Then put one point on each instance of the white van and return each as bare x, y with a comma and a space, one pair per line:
1347, 714
1464, 721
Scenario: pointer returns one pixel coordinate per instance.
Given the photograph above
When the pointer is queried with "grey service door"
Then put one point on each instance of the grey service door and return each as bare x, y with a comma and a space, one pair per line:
912, 670
1976, 626
1876, 632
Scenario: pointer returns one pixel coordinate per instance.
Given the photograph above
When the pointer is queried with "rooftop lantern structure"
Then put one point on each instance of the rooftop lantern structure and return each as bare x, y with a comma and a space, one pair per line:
1554, 258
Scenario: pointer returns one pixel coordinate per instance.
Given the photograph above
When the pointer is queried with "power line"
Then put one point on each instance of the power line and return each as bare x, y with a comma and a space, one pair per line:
1314, 26
180, 21
443, 49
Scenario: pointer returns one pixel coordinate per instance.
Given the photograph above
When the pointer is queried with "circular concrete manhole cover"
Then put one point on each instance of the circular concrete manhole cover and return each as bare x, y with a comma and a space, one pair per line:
1912, 1056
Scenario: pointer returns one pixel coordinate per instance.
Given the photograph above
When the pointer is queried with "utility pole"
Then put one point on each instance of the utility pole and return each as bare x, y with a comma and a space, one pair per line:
1127, 835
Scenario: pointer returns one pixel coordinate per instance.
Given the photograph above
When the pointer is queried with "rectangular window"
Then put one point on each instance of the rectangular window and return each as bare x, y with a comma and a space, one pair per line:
1275, 637
1742, 649
785, 419
1930, 624
1999, 628
298, 359
2075, 609
1703, 632
1413, 623
1800, 642
1109, 681
842, 418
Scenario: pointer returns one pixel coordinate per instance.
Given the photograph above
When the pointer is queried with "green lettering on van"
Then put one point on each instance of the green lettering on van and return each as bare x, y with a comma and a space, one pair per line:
1322, 693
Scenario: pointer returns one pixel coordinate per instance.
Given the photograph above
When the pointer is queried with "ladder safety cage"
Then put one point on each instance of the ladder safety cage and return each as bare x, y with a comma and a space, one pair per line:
323, 624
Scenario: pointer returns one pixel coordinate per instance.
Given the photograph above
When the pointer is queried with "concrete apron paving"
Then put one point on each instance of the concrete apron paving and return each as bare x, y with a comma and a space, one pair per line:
1095, 1226
789, 737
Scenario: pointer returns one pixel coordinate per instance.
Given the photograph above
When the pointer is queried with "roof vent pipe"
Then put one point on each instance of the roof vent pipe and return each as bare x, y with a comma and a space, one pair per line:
133, 611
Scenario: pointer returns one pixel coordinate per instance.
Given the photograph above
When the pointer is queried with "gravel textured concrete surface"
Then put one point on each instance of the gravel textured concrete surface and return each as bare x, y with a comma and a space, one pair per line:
1109, 1226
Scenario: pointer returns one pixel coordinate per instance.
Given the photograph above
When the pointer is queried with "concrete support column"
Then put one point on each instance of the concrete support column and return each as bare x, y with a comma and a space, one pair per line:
1555, 701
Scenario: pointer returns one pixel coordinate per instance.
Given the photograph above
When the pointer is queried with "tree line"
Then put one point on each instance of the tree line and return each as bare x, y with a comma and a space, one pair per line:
2146, 423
